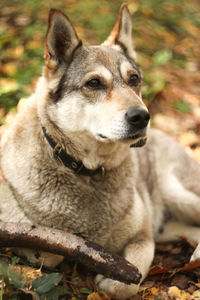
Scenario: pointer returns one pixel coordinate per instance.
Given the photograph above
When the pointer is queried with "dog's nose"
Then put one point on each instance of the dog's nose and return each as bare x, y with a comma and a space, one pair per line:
137, 117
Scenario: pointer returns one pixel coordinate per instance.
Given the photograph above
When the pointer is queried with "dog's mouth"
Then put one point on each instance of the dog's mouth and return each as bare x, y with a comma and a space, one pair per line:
102, 136
139, 143
138, 139
133, 137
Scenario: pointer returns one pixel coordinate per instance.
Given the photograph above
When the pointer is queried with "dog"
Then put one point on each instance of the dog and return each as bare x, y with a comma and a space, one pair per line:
81, 157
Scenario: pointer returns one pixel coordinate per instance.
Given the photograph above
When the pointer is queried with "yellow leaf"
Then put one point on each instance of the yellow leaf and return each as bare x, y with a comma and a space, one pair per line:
7, 85
195, 295
33, 44
18, 51
14, 52
154, 291
98, 296
10, 68
192, 29
176, 294
28, 273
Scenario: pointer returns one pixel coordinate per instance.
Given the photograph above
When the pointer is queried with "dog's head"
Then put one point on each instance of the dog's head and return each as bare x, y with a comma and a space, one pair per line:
95, 89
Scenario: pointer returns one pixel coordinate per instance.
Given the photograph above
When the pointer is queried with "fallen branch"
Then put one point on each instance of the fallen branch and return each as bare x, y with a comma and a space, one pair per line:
71, 246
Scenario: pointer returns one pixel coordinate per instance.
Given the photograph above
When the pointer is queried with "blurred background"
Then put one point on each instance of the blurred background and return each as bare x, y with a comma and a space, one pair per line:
166, 35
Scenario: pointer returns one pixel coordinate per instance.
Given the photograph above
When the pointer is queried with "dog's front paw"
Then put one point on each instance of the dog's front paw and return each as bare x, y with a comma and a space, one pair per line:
115, 289
196, 254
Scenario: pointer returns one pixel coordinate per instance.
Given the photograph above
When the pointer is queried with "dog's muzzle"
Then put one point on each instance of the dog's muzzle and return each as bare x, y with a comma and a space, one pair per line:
131, 129
137, 118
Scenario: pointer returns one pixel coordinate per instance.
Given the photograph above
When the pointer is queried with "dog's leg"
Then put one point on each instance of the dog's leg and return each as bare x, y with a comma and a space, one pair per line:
173, 230
10, 211
186, 207
181, 200
177, 179
181, 194
140, 253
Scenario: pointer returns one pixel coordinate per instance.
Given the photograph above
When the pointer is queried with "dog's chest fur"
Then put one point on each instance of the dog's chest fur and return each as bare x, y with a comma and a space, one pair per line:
58, 198
70, 202
92, 209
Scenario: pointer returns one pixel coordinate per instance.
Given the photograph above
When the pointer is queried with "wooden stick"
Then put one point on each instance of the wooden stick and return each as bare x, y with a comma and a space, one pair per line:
71, 246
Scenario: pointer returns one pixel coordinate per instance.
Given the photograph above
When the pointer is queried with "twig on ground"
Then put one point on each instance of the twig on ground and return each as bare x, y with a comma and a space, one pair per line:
93, 256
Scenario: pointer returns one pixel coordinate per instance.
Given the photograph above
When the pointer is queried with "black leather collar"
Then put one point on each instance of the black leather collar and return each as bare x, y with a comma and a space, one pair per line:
68, 161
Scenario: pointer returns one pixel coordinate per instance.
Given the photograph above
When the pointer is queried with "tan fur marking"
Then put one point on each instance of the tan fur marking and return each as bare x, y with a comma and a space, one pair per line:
126, 69
125, 98
115, 32
121, 33
100, 72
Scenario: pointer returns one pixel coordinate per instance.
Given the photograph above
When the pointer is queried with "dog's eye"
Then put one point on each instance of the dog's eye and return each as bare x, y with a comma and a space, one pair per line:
94, 84
134, 80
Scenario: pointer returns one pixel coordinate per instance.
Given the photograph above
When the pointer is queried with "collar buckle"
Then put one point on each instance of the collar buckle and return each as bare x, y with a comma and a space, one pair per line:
97, 177
56, 151
103, 171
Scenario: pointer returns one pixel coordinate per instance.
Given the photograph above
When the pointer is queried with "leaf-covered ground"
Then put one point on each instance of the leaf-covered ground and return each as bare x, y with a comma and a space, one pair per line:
166, 35
170, 277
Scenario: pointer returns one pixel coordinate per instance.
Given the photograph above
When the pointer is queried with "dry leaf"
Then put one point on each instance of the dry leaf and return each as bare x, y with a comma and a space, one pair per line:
98, 296
7, 84
192, 243
177, 294
180, 280
154, 291
195, 295
158, 270
189, 267
10, 68
33, 44
28, 273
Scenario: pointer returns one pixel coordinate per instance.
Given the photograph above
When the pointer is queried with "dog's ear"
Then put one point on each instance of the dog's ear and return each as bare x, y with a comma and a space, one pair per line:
61, 39
122, 32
